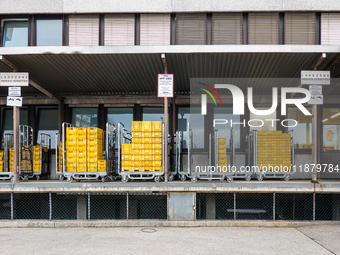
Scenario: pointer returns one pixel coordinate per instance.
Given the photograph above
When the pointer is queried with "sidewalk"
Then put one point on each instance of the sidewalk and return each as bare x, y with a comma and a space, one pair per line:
321, 239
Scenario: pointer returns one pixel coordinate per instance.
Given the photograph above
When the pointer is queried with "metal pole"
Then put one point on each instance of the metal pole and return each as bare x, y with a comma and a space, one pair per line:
16, 117
314, 142
166, 136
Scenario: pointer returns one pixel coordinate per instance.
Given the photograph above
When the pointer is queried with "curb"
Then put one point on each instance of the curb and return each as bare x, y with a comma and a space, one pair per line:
156, 223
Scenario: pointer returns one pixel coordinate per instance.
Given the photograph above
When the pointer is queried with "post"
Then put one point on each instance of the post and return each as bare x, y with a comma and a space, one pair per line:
314, 141
16, 117
166, 138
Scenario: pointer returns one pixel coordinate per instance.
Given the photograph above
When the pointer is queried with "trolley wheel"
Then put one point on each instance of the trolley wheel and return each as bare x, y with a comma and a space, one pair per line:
157, 179
78, 180
61, 177
260, 177
110, 177
69, 179
183, 178
229, 179
125, 179
26, 178
37, 177
171, 178
248, 177
222, 178
194, 179
287, 177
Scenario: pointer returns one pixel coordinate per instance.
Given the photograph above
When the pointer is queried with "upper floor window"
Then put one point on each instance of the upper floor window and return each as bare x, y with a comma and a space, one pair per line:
49, 32
263, 28
155, 29
84, 30
300, 28
119, 29
227, 28
191, 28
330, 28
15, 33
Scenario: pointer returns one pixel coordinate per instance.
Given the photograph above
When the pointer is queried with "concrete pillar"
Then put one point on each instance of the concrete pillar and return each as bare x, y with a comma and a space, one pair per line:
210, 205
81, 207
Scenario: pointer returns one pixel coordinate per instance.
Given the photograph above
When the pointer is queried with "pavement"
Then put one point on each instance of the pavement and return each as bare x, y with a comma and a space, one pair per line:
320, 239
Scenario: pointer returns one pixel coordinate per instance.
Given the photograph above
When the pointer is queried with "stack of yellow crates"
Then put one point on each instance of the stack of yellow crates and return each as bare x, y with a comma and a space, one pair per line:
2, 161
81, 149
26, 165
222, 152
95, 150
36, 158
11, 158
60, 155
273, 149
144, 154
71, 149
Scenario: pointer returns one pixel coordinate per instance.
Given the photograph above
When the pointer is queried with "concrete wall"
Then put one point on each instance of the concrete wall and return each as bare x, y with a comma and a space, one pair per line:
167, 6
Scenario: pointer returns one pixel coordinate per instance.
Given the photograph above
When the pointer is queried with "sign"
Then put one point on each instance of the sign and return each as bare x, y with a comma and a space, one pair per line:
165, 85
315, 89
316, 77
316, 99
14, 79
14, 101
14, 91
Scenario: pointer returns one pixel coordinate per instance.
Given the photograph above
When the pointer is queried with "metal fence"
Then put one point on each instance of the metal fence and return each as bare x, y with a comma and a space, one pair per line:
209, 206
267, 206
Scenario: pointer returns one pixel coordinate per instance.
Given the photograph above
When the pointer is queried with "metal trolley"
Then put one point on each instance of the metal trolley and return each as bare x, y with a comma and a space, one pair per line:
124, 136
252, 158
7, 174
109, 154
45, 157
176, 155
25, 152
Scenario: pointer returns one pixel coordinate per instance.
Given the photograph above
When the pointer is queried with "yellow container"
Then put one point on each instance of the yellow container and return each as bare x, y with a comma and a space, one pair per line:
222, 151
157, 146
156, 140
127, 163
137, 169
94, 142
156, 126
147, 163
146, 126
147, 134
157, 157
147, 140
137, 134
147, 152
147, 157
157, 163
136, 163
136, 126
147, 169
126, 157
137, 152
222, 141
137, 146
157, 169
92, 169
137, 157
157, 152
221, 146
147, 146
157, 134
126, 168
101, 165
126, 146
137, 140
92, 160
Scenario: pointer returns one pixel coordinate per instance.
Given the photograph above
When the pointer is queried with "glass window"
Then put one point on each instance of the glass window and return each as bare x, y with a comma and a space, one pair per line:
331, 128
303, 130
15, 34
226, 113
262, 122
183, 119
85, 117
154, 114
123, 115
8, 121
48, 124
196, 120
50, 32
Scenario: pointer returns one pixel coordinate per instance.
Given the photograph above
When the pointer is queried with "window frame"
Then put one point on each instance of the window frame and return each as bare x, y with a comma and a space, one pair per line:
49, 17
14, 19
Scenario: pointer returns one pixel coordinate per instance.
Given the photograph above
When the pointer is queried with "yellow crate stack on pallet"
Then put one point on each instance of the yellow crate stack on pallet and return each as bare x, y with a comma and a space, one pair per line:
71, 149
11, 158
36, 158
95, 150
26, 165
2, 167
144, 154
81, 149
60, 156
222, 152
273, 149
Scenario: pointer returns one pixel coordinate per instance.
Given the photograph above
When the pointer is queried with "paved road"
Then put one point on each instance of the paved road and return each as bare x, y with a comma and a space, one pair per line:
305, 240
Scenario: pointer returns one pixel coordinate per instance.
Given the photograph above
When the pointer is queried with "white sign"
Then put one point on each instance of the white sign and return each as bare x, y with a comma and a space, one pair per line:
14, 79
316, 99
316, 77
14, 91
315, 89
165, 85
14, 101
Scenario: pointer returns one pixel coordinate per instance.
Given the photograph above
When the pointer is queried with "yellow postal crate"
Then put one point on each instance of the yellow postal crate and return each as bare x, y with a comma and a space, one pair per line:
101, 169
147, 169
137, 152
136, 126
102, 163
157, 169
95, 142
137, 169
222, 151
222, 161
92, 169
126, 169
91, 160
137, 146
81, 154
157, 146
157, 134
147, 163
222, 141
222, 156
137, 140
71, 159
146, 126
137, 134
127, 157
147, 140
147, 157
94, 133
221, 146
127, 163
82, 169
147, 134
71, 130
81, 130
148, 146
126, 146
81, 148
1, 152
147, 152
137, 157
136, 163
157, 152
157, 163
157, 157
157, 140
156, 126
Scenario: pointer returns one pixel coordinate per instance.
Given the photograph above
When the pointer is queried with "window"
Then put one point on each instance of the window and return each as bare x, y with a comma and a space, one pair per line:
48, 124
331, 129
15, 34
226, 113
303, 130
227, 28
191, 28
123, 115
299, 28
84, 30
330, 28
261, 122
263, 28
155, 29
183, 120
154, 114
8, 121
119, 29
197, 127
85, 117
49, 32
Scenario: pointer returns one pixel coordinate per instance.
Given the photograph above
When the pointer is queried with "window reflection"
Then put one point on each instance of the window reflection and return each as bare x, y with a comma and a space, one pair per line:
15, 34
303, 130
48, 124
85, 117
123, 115
331, 128
49, 32
197, 127
263, 122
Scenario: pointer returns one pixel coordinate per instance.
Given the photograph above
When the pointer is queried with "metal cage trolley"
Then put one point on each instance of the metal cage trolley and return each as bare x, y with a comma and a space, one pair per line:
42, 157
7, 172
25, 152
